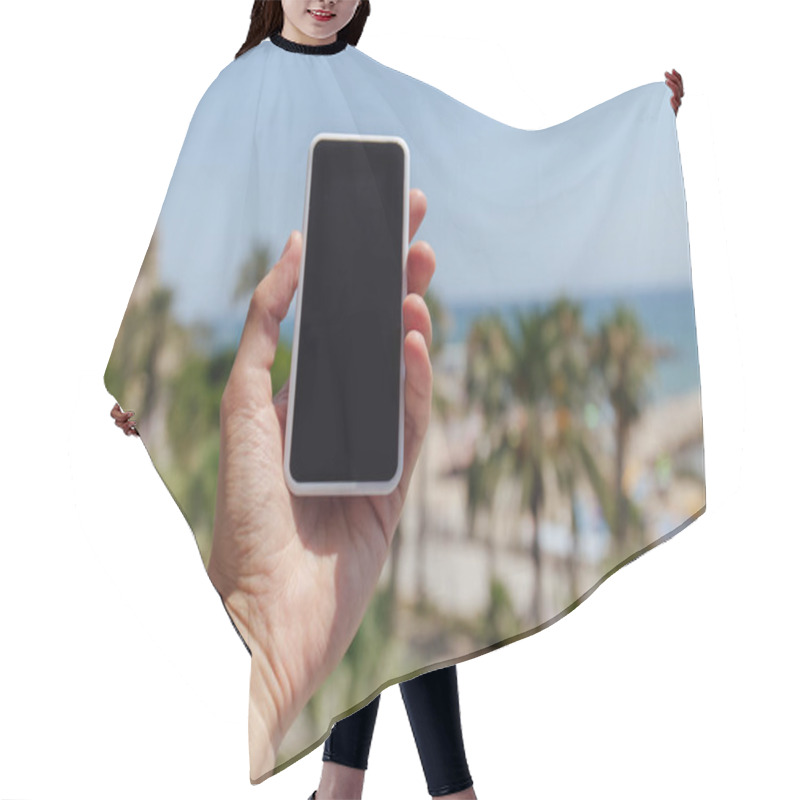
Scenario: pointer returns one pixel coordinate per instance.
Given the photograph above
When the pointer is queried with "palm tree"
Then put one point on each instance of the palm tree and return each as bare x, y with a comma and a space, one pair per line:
489, 353
254, 268
441, 407
487, 388
517, 380
511, 375
624, 360
570, 447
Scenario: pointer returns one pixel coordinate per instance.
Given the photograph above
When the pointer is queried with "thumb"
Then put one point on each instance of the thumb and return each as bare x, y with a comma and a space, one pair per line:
268, 307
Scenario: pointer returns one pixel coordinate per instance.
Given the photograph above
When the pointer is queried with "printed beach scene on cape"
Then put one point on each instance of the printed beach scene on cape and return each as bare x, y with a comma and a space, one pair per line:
566, 434
578, 417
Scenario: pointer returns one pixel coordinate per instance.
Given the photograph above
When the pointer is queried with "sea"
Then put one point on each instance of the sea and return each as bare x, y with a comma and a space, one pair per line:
666, 315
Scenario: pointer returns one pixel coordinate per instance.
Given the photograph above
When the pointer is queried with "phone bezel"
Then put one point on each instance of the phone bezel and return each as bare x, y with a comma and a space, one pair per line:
347, 487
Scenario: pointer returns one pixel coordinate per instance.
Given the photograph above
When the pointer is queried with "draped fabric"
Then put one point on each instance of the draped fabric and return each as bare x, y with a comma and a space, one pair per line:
566, 431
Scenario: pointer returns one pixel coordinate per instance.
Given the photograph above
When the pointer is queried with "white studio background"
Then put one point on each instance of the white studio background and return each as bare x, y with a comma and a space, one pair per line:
120, 675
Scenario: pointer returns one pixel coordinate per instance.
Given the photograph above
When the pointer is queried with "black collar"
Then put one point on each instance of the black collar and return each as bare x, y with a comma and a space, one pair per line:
308, 49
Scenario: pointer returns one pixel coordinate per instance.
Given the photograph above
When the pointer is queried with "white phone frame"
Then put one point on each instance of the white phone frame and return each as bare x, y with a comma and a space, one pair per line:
354, 487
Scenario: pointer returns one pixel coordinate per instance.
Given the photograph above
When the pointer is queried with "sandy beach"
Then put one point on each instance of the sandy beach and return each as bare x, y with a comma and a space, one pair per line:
454, 571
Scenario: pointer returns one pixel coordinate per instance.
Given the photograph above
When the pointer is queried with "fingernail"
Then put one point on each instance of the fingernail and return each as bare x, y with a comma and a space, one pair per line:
288, 245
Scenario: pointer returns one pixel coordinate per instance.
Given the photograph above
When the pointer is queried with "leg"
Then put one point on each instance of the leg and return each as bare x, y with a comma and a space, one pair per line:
433, 711
345, 755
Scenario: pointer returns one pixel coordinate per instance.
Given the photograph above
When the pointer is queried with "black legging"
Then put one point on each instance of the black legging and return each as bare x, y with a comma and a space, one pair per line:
432, 706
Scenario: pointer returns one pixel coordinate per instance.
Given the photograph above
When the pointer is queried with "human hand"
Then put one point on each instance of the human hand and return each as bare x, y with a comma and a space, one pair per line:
297, 573
675, 82
123, 419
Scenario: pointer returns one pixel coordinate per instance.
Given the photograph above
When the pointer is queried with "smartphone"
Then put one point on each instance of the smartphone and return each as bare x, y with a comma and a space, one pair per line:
344, 425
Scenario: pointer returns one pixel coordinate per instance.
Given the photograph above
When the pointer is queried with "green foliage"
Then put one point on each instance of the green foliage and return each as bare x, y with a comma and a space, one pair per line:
542, 366
281, 367
252, 272
363, 659
501, 621
548, 366
441, 322
196, 396
193, 436
624, 360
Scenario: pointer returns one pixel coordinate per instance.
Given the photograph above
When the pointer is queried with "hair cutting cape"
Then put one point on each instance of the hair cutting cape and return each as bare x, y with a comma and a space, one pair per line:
566, 431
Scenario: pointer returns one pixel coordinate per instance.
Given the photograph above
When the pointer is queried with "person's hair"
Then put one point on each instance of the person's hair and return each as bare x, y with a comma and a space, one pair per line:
266, 18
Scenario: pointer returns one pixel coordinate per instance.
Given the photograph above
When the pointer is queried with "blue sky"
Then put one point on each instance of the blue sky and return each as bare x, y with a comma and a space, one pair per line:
591, 205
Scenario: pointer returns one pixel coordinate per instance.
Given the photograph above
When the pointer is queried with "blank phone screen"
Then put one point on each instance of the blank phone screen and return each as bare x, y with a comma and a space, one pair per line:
347, 386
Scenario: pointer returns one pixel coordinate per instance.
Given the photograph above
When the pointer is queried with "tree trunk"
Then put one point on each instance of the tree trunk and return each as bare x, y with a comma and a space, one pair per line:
621, 522
536, 555
574, 561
